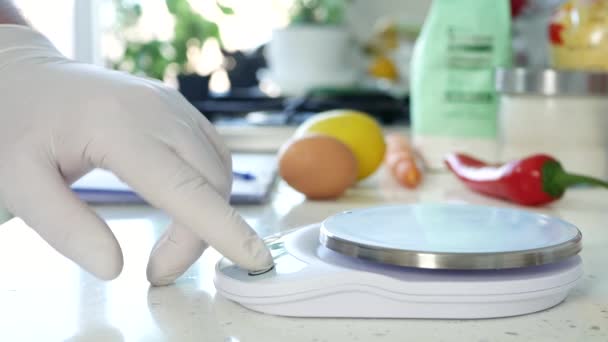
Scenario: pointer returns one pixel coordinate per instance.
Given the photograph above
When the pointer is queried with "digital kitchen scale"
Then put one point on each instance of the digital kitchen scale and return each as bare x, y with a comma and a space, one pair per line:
414, 261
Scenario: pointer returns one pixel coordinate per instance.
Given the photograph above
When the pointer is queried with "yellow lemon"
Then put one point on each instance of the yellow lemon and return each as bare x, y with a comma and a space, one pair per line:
358, 130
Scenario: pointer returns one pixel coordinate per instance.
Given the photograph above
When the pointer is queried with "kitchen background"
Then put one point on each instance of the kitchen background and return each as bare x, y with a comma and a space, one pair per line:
497, 79
227, 45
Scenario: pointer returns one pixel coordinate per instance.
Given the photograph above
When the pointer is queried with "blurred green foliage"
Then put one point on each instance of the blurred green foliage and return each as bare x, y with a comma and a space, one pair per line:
318, 12
151, 58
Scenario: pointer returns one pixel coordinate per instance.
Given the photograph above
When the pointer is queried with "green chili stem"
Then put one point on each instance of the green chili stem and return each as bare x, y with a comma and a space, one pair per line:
565, 180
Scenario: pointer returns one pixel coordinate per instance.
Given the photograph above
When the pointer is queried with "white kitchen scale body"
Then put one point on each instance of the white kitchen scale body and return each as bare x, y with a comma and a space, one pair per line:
414, 261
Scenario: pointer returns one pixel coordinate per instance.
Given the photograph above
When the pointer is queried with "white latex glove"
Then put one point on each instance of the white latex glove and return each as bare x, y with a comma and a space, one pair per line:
60, 119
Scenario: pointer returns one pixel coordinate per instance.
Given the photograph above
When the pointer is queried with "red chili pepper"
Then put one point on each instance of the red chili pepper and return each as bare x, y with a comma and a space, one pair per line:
535, 180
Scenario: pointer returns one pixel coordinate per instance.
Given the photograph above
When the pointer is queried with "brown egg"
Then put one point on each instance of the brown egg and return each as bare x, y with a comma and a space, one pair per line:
319, 166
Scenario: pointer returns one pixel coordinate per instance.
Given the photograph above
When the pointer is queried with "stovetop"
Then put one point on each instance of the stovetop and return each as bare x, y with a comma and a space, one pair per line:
257, 109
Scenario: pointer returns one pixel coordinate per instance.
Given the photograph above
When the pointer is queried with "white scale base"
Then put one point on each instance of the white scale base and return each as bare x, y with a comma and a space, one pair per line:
309, 280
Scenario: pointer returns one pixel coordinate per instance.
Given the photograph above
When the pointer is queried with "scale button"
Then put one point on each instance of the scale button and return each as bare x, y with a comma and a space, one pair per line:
260, 272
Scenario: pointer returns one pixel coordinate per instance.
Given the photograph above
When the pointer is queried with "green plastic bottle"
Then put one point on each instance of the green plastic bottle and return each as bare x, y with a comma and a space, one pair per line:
454, 102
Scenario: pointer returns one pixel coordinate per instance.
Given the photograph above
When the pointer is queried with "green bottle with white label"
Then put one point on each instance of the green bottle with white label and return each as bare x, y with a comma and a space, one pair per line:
453, 100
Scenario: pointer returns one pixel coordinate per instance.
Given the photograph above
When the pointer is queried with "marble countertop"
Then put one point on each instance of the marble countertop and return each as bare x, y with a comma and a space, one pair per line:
45, 297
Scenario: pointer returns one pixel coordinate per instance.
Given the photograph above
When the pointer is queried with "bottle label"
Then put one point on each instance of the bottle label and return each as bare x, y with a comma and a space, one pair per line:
453, 91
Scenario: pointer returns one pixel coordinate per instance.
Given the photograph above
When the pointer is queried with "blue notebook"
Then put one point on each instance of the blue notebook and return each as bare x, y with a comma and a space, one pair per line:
101, 186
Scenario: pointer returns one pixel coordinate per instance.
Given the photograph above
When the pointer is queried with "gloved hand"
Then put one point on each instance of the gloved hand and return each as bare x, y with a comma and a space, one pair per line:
60, 119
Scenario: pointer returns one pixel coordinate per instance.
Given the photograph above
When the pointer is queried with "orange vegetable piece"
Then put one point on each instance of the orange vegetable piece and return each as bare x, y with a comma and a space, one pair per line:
400, 159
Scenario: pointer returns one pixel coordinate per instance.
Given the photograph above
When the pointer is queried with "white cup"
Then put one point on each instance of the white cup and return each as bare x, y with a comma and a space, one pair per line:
304, 56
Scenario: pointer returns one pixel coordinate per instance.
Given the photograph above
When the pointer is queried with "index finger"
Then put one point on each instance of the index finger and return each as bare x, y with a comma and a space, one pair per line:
166, 181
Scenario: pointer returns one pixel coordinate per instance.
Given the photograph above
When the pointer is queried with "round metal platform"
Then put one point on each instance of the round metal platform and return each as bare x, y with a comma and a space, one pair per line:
451, 236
